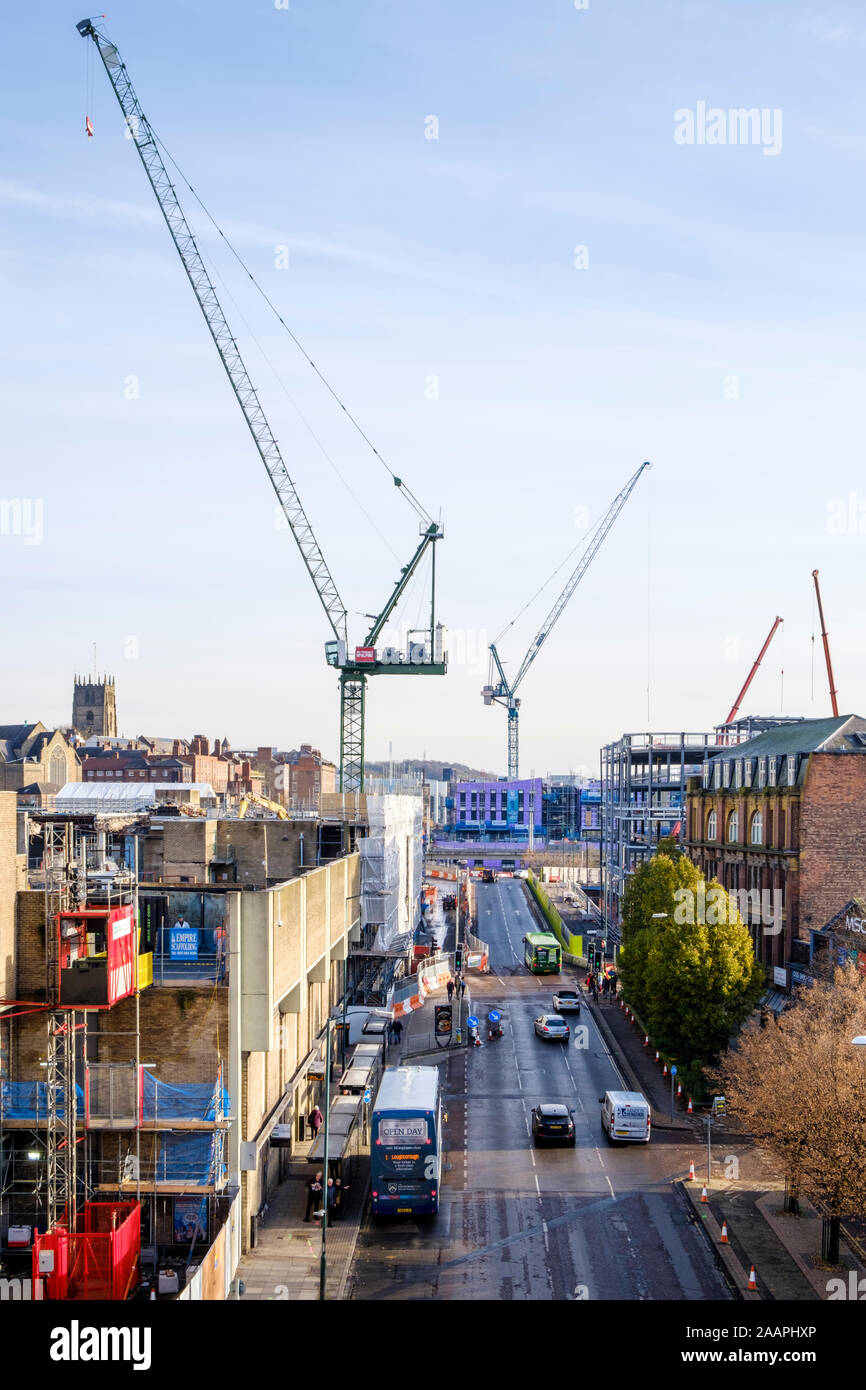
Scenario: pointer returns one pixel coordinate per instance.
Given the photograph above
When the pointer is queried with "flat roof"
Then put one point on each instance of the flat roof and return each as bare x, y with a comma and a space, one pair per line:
408, 1088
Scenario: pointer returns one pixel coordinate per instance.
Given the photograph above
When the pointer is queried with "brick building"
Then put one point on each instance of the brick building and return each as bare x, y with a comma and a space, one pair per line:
302, 778
782, 818
135, 766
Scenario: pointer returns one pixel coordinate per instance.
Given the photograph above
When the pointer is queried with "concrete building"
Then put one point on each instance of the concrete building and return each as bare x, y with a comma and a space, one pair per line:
94, 709
780, 820
494, 811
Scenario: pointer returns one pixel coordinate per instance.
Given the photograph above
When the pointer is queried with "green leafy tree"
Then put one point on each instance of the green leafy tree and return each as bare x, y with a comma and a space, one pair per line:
651, 888
688, 964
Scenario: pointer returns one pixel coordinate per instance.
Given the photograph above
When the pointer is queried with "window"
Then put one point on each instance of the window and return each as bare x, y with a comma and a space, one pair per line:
711, 826
733, 827
727, 773
771, 771
717, 774
705, 774
762, 772
792, 769
756, 829
738, 773
747, 772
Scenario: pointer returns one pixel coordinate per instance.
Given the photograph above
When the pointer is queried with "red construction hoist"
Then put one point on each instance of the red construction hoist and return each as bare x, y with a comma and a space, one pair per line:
825, 639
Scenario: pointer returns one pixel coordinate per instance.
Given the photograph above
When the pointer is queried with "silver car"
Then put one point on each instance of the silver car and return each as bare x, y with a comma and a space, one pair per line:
566, 1001
553, 1027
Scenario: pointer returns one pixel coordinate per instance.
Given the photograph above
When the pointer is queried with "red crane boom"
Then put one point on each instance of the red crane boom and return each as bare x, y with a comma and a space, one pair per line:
751, 676
825, 639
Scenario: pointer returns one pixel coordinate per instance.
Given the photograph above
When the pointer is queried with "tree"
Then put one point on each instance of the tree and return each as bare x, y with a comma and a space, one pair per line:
651, 888
798, 1085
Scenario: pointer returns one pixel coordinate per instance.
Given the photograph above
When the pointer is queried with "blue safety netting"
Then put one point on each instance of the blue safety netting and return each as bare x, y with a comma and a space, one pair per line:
189, 1158
28, 1100
186, 1101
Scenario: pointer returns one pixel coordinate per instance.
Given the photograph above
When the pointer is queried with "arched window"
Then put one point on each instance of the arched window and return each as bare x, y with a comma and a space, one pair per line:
711, 825
733, 827
756, 829
57, 768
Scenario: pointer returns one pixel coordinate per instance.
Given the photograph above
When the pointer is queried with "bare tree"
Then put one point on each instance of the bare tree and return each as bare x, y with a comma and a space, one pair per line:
799, 1086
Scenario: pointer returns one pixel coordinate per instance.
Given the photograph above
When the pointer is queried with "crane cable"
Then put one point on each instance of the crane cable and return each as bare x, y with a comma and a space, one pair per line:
214, 269
413, 501
582, 544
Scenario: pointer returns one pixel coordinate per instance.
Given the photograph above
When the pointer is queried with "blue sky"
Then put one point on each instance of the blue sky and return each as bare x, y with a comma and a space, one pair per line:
717, 330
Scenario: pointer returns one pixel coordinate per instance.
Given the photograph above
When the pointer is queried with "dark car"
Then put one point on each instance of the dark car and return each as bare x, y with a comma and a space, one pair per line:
551, 1123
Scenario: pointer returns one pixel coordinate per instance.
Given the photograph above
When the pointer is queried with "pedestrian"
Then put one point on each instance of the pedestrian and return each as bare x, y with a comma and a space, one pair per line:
398, 1030
589, 980
392, 1030
462, 986
331, 1199
340, 1207
315, 1120
450, 989
314, 1193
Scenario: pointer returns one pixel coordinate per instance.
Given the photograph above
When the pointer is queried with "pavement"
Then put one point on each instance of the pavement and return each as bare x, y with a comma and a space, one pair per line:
286, 1260
745, 1190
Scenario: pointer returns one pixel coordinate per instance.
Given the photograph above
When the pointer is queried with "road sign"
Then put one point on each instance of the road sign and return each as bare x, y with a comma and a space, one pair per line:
367, 1095
674, 1069
472, 1021
494, 1015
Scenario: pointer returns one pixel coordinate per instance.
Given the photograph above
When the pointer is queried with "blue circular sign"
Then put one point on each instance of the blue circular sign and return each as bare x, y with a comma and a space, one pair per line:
494, 1015
472, 1021
674, 1069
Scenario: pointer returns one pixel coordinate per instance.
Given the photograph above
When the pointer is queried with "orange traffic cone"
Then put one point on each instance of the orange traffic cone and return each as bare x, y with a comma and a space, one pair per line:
646, 1039
704, 1197
679, 1089
657, 1054
723, 1238
753, 1283
692, 1171
690, 1108
665, 1071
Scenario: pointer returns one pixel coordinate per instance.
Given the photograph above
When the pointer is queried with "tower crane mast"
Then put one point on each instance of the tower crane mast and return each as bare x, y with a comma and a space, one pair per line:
504, 692
826, 640
354, 667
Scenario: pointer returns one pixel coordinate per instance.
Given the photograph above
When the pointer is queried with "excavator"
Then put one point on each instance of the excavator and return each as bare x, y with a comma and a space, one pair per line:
251, 799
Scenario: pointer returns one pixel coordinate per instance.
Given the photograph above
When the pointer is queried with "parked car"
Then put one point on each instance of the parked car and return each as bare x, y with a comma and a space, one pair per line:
552, 1026
552, 1122
566, 1001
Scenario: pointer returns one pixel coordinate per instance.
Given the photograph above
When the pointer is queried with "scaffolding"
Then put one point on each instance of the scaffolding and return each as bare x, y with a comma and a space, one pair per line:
643, 800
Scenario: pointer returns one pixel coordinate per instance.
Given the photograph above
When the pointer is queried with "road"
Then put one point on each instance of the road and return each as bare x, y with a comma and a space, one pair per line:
593, 1222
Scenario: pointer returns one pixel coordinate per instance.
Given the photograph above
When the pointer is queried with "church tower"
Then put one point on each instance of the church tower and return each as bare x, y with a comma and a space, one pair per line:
93, 707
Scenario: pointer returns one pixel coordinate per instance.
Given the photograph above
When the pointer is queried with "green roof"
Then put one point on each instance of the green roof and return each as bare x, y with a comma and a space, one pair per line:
809, 736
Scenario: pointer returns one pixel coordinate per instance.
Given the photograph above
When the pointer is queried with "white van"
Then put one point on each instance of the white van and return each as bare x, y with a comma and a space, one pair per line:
625, 1117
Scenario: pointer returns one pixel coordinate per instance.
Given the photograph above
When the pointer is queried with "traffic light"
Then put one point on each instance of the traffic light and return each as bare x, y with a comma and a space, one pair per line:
458, 958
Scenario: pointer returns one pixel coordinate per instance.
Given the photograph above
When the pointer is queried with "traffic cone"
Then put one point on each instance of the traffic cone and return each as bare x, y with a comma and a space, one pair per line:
690, 1107
723, 1238
704, 1197
665, 1071
753, 1283
646, 1039
692, 1171
657, 1054
679, 1089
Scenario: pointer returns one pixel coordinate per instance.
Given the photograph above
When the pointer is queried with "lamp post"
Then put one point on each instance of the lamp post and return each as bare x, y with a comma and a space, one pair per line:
323, 1260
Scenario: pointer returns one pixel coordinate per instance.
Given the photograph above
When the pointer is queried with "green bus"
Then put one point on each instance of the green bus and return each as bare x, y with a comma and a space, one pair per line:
542, 953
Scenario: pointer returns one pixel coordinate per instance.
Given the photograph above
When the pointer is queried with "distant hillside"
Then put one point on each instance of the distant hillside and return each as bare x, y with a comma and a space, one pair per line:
431, 768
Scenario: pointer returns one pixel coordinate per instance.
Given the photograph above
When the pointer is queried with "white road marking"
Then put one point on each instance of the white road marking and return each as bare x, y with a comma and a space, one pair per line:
610, 1185
600, 1159
537, 1187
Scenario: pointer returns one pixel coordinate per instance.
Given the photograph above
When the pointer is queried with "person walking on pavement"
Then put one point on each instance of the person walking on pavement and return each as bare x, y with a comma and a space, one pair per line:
398, 1030
340, 1206
450, 989
462, 986
331, 1199
314, 1195
315, 1120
